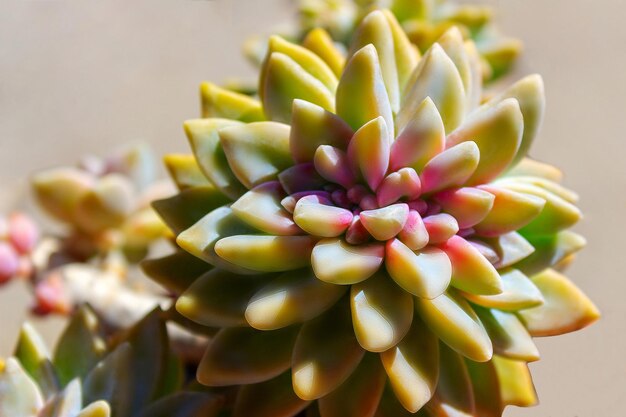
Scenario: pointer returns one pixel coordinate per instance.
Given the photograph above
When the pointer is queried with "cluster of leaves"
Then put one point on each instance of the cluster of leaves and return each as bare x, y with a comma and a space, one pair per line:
130, 373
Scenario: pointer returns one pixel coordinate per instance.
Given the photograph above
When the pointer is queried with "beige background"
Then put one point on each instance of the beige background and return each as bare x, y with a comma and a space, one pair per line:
83, 76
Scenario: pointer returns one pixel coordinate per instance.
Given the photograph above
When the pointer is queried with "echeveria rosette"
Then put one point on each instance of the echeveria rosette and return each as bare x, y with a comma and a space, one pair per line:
394, 216
133, 374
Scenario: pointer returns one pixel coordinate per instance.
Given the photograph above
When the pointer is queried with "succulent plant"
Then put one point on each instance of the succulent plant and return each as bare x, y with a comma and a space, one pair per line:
424, 21
104, 202
18, 237
133, 373
104, 206
379, 243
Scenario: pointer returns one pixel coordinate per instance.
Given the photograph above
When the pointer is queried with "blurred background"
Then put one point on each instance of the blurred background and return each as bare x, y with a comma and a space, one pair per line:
84, 76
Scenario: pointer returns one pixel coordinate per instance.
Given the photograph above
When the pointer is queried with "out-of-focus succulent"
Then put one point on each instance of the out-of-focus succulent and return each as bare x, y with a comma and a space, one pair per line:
133, 373
104, 206
390, 250
424, 21
104, 203
18, 237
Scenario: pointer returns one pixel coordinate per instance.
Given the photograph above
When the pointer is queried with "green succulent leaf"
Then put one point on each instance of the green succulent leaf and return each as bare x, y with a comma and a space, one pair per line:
34, 358
325, 354
360, 394
187, 207
219, 298
413, 367
273, 398
205, 143
246, 356
176, 272
257, 152
219, 102
19, 396
293, 297
80, 347
184, 170
381, 312
361, 94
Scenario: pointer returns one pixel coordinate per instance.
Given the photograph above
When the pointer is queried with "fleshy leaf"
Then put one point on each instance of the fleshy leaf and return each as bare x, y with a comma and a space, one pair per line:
189, 206
511, 211
471, 272
80, 346
184, 170
406, 55
440, 228
374, 29
420, 140
312, 126
58, 191
266, 253
322, 44
516, 384
205, 142
436, 77
361, 94
530, 167
200, 239
293, 297
337, 262
320, 219
273, 398
260, 208
452, 319
550, 250
425, 273
414, 234
325, 354
452, 44
486, 388
109, 381
557, 214
176, 272
413, 367
246, 356
451, 168
385, 223
19, 396
381, 312
301, 177
185, 404
565, 309
333, 164
403, 184
510, 249
467, 205
518, 293
96, 409
369, 152
219, 298
529, 92
285, 80
257, 152
223, 103
34, 358
106, 205
360, 394
307, 60
498, 133
508, 335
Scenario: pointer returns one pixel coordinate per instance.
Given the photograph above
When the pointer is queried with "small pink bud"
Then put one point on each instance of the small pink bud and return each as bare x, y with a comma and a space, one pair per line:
356, 193
9, 262
340, 198
23, 233
418, 205
356, 233
369, 202
50, 297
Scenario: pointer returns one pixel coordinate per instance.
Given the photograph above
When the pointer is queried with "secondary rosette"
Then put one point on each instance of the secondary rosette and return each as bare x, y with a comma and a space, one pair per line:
373, 208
